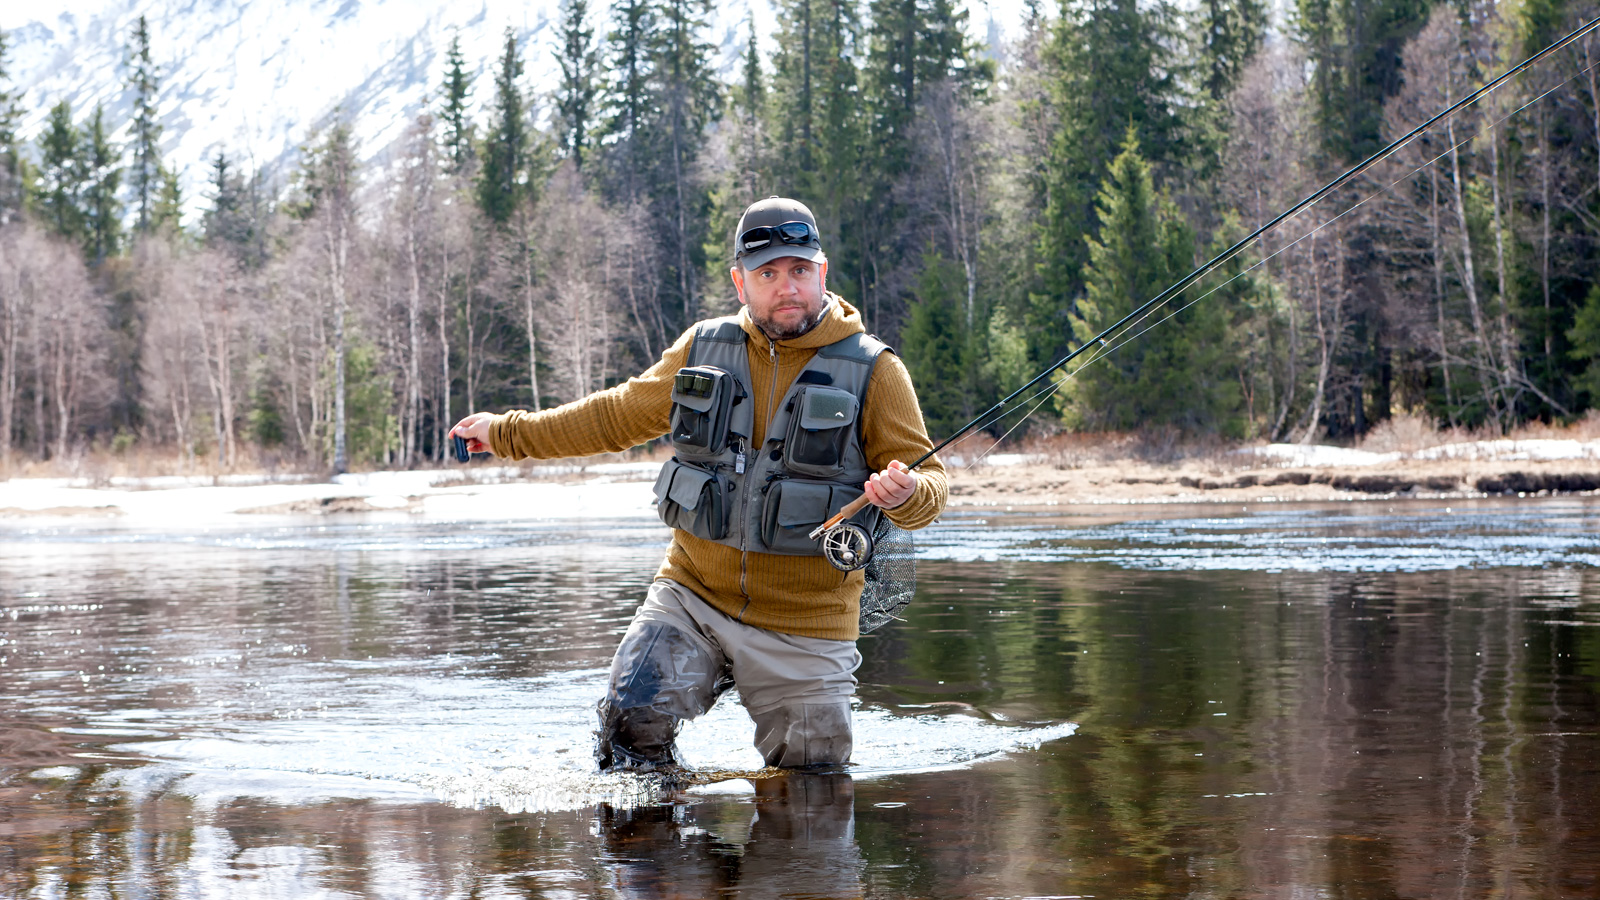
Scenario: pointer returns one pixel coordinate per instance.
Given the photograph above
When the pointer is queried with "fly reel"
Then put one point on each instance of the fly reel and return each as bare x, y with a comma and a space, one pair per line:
847, 546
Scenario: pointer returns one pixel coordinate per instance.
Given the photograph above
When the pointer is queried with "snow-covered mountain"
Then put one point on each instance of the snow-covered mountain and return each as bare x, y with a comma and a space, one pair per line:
254, 77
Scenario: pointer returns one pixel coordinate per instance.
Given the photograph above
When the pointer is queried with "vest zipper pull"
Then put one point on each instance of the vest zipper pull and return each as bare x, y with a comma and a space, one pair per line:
738, 463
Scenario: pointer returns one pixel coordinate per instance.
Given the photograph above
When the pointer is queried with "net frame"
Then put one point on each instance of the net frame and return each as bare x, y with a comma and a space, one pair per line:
891, 575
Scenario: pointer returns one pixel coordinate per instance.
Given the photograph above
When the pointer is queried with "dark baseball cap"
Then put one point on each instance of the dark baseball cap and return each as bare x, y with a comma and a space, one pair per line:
761, 236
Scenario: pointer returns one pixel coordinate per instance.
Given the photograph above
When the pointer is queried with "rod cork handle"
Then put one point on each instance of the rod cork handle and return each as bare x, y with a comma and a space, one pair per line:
848, 510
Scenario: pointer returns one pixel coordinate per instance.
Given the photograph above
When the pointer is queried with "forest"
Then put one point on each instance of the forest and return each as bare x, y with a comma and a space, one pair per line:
987, 208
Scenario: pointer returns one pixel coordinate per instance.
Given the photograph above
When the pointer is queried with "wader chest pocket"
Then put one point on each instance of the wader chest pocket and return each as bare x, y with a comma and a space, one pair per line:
819, 431
702, 407
794, 508
693, 499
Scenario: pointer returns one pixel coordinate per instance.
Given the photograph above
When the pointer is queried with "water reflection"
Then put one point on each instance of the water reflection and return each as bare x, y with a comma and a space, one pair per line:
284, 720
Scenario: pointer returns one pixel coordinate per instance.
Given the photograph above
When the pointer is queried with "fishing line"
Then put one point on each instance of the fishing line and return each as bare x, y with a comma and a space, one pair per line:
1128, 334
1121, 327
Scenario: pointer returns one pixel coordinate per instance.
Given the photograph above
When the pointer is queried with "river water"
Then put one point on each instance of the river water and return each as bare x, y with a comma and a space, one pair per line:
1358, 700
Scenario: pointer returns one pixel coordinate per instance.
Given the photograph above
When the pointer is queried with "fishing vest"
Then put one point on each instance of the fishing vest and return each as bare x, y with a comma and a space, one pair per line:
766, 495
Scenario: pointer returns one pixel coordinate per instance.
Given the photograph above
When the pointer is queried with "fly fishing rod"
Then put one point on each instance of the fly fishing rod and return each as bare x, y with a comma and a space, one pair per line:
848, 546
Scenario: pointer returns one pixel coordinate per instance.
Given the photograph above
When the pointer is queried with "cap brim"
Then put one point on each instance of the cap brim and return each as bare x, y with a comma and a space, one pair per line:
753, 261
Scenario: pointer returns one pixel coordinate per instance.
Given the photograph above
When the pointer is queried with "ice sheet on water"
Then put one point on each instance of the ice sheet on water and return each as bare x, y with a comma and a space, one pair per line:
520, 744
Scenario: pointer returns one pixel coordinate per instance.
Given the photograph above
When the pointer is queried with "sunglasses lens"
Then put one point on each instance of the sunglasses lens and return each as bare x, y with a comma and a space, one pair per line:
795, 232
755, 239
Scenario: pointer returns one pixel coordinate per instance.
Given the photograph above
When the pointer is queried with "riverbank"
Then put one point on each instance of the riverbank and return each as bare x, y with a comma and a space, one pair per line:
1051, 474
1281, 473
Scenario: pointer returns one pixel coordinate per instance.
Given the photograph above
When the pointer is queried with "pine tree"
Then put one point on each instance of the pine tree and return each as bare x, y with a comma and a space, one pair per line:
1177, 372
145, 173
503, 179
575, 96
458, 130
62, 174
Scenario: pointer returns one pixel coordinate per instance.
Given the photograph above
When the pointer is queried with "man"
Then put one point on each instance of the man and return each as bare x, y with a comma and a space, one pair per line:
778, 416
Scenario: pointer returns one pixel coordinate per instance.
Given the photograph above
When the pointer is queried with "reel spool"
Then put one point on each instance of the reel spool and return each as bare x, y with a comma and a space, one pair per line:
847, 547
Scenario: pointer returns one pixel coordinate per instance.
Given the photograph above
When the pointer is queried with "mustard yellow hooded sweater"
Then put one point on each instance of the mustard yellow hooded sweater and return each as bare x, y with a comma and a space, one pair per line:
800, 595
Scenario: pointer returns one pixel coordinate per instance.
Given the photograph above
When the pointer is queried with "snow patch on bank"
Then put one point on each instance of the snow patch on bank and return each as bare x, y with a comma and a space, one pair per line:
1315, 456
609, 490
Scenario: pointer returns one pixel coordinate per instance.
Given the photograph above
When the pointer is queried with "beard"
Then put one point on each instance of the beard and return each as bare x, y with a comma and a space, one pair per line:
779, 332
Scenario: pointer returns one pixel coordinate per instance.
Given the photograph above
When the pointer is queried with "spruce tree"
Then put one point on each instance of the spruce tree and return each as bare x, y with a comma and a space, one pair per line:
102, 209
575, 95
458, 130
815, 99
1355, 48
910, 44
330, 182
750, 100
628, 99
62, 173
1177, 371
11, 160
166, 212
1111, 66
1227, 33
144, 176
938, 348
503, 178
223, 223
690, 98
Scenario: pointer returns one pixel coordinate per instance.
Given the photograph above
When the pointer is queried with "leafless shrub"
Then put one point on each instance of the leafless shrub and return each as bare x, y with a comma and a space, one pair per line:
1403, 433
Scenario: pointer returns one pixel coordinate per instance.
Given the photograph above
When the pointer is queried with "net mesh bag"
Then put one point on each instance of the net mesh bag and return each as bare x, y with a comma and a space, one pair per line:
891, 575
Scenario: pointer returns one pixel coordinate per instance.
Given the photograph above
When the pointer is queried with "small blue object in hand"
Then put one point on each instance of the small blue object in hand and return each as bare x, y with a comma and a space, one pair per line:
461, 448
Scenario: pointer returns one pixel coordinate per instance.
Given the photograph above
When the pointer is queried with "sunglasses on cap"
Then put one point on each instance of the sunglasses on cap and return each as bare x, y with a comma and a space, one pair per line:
763, 236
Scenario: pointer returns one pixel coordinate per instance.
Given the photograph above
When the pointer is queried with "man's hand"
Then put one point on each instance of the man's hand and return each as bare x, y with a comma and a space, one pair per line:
475, 429
891, 487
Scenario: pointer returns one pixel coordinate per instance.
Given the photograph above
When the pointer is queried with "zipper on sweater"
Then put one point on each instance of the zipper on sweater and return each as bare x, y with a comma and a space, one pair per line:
744, 502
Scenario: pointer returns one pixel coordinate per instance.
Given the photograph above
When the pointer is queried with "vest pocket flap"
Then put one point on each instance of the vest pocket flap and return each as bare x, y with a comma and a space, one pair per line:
686, 486
698, 404
804, 504
826, 407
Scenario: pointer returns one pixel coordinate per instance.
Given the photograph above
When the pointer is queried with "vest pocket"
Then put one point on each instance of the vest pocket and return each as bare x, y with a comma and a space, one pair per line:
793, 509
693, 499
819, 431
702, 408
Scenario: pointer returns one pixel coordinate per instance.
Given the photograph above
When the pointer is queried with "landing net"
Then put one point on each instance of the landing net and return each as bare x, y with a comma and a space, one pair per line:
891, 575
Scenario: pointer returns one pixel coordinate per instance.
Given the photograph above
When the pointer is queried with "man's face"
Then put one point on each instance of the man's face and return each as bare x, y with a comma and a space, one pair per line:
785, 296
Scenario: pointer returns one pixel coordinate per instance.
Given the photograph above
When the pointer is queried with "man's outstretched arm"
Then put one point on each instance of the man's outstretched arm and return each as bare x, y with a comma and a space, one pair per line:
607, 421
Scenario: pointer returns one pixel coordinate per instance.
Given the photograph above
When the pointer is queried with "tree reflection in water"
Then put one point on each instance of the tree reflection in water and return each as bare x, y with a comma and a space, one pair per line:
1243, 733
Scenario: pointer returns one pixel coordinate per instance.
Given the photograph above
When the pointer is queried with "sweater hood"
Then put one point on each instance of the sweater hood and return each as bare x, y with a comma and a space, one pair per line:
839, 321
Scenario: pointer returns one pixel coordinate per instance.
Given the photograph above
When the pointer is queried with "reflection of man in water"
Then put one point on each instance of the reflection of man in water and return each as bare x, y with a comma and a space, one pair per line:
778, 416
796, 840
